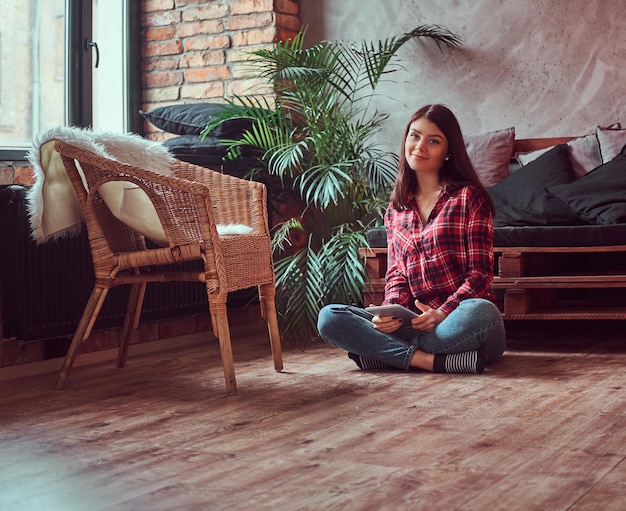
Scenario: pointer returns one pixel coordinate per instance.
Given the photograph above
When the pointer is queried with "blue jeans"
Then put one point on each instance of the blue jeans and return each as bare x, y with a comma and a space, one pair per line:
476, 324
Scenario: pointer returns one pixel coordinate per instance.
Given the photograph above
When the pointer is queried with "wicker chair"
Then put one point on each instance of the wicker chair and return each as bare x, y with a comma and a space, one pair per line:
190, 204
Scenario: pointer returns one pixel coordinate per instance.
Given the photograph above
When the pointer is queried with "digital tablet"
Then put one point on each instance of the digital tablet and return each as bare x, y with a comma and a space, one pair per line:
395, 310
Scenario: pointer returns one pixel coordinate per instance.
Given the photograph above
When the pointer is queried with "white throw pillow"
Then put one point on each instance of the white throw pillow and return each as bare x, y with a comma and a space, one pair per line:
612, 141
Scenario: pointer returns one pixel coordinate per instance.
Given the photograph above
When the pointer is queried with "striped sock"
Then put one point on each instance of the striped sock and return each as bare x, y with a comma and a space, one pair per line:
466, 362
367, 363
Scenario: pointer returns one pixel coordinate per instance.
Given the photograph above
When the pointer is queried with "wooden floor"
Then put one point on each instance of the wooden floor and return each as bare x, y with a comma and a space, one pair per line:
544, 429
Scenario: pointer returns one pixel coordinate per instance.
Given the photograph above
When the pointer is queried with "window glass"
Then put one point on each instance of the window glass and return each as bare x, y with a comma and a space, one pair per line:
109, 89
32, 69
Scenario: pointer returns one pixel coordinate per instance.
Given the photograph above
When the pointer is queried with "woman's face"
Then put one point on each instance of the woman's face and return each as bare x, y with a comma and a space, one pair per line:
425, 147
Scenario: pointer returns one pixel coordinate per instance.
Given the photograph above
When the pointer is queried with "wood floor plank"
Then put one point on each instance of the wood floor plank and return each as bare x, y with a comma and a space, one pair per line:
545, 428
609, 494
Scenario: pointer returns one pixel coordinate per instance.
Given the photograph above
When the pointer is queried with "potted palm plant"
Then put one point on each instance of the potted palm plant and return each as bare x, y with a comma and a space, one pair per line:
316, 135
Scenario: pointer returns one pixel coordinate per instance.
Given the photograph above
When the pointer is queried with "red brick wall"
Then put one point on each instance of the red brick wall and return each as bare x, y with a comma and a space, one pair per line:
199, 50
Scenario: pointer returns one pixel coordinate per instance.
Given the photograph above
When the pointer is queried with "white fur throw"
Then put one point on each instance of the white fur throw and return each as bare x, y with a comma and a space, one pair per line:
52, 206
51, 203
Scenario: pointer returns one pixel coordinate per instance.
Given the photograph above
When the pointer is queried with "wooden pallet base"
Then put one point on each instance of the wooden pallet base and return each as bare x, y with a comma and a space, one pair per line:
532, 283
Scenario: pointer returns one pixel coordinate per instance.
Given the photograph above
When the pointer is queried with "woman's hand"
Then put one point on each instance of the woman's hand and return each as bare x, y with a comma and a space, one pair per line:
387, 324
428, 319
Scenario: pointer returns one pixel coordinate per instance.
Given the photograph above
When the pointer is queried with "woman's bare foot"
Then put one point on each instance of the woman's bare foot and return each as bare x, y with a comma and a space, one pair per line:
422, 360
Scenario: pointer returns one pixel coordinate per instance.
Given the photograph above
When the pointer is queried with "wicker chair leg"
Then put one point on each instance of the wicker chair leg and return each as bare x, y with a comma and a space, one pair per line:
221, 320
131, 320
214, 324
267, 292
142, 294
83, 330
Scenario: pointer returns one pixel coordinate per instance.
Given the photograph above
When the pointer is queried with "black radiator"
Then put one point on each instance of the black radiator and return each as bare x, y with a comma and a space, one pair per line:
45, 287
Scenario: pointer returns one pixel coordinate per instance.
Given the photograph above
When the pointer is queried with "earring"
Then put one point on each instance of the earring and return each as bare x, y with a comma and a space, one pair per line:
447, 158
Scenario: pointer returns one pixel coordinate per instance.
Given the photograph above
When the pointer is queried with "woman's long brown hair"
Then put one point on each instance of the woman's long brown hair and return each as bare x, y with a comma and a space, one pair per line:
458, 169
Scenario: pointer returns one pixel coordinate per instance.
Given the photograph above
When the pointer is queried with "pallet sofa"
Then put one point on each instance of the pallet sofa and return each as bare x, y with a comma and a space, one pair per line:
560, 230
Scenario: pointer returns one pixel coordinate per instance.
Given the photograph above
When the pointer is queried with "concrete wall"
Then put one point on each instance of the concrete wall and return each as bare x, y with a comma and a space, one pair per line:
546, 67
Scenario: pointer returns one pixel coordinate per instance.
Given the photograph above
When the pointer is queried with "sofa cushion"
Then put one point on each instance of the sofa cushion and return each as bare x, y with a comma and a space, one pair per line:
521, 199
538, 236
600, 196
192, 118
490, 153
560, 236
377, 237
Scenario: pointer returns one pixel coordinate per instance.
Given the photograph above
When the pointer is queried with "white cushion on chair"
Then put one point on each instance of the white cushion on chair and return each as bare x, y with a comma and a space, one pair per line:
131, 205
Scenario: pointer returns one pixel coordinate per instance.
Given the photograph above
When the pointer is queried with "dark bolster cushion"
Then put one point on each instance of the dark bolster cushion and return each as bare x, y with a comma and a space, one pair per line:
521, 199
192, 118
194, 144
210, 153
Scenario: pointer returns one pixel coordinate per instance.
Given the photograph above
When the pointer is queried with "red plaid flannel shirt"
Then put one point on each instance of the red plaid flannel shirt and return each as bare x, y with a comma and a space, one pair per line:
445, 261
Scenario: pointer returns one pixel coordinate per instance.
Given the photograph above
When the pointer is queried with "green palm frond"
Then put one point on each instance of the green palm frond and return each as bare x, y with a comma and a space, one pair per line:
299, 294
344, 269
377, 57
323, 185
281, 235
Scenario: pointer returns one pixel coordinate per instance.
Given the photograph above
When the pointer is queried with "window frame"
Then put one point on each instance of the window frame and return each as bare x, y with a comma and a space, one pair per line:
79, 81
